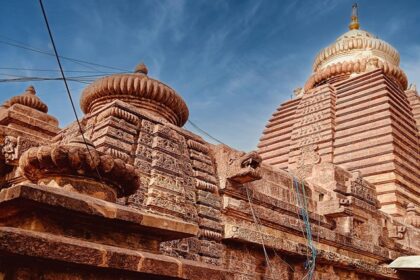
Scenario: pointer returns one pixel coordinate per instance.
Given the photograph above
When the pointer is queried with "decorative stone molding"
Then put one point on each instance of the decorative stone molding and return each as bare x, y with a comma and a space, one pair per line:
75, 166
197, 146
356, 66
351, 43
210, 234
119, 113
205, 186
138, 90
356, 51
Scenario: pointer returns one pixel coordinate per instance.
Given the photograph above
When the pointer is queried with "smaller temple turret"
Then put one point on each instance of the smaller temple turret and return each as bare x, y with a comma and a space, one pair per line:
24, 123
26, 112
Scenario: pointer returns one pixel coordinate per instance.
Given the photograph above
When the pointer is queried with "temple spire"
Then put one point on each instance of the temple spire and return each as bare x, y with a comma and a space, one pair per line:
354, 24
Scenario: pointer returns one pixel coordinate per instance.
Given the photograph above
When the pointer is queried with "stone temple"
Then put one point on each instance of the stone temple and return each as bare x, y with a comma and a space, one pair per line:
333, 191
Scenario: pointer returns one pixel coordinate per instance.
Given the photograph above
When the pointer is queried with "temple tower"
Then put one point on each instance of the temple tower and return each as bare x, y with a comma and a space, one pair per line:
354, 111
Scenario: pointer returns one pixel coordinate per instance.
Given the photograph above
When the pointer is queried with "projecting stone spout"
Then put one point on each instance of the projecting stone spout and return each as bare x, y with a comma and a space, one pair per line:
137, 89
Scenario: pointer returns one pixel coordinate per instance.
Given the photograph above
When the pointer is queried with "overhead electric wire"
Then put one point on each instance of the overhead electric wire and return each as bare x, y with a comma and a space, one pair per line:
75, 77
37, 79
66, 85
258, 223
78, 61
267, 259
20, 78
56, 70
204, 132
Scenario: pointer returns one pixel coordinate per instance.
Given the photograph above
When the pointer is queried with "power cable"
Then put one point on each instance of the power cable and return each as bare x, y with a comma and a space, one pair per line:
19, 78
204, 132
78, 61
39, 79
267, 260
66, 85
55, 70
258, 222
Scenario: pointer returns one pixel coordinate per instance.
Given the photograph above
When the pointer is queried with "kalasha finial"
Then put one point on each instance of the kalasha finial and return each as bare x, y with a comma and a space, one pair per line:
141, 68
30, 90
354, 24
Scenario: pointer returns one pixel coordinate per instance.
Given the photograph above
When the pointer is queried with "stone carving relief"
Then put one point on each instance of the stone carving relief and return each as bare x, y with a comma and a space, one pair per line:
312, 118
397, 232
147, 126
145, 139
359, 230
165, 131
144, 152
9, 149
166, 182
359, 188
14, 147
311, 139
166, 145
309, 156
165, 162
307, 130
314, 100
142, 165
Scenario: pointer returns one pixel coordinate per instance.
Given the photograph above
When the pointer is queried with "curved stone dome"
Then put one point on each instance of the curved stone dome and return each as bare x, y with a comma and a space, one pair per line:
29, 99
138, 90
353, 45
354, 52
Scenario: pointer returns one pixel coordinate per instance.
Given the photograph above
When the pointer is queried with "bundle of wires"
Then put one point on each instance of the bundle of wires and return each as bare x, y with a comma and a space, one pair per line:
303, 207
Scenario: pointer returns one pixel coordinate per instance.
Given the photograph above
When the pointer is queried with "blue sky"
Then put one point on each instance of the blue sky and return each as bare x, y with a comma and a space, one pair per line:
233, 62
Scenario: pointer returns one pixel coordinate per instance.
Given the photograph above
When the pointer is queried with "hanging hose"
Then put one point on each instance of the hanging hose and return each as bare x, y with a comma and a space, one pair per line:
303, 207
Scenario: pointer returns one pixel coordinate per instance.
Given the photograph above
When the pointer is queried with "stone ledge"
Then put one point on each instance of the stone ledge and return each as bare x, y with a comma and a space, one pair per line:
294, 225
34, 244
273, 203
12, 115
242, 234
168, 228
